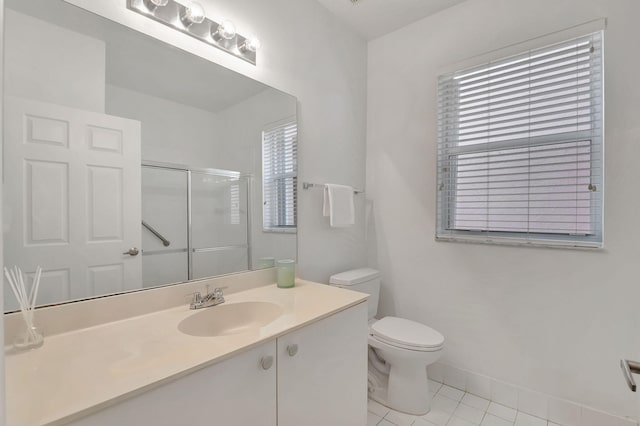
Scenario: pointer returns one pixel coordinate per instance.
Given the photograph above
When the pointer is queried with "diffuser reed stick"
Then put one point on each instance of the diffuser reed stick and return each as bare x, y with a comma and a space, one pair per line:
27, 302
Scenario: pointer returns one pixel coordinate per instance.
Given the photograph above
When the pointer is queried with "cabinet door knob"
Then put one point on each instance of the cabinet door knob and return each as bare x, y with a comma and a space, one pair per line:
292, 350
266, 362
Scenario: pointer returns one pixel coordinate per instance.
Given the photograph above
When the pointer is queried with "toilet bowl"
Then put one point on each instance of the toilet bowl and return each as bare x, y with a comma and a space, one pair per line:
403, 358
399, 350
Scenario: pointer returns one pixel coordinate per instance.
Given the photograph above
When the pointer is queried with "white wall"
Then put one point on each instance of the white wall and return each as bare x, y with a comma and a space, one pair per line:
244, 123
52, 64
552, 320
241, 143
171, 132
308, 53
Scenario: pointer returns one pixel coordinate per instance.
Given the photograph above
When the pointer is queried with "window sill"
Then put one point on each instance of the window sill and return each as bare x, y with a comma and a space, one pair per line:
522, 242
280, 230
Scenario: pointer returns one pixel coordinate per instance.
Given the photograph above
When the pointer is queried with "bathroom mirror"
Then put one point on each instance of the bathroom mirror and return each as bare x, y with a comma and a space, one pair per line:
130, 164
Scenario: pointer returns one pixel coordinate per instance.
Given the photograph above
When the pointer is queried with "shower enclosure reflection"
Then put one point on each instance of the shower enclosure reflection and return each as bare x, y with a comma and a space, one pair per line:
200, 223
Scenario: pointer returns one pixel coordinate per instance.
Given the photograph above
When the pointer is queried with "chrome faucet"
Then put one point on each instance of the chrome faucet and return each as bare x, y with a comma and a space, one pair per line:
211, 299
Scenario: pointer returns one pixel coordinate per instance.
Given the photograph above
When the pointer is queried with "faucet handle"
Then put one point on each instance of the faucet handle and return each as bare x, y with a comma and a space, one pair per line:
197, 297
217, 292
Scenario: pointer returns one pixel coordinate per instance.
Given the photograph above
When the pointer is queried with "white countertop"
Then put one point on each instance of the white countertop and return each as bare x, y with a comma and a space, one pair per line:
80, 372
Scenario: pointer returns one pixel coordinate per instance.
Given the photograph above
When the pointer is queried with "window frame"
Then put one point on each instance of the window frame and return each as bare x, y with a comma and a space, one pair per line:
447, 156
276, 182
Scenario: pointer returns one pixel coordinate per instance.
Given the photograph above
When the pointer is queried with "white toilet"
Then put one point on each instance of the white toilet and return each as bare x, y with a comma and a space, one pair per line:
399, 350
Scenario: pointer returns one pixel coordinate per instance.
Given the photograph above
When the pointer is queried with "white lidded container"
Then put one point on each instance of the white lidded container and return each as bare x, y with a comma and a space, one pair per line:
364, 280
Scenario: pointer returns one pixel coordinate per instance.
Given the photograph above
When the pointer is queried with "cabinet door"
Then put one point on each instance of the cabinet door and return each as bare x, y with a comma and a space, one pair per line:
238, 391
322, 372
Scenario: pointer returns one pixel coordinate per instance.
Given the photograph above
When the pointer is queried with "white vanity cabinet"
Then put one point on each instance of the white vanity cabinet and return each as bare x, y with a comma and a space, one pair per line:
235, 392
318, 377
322, 372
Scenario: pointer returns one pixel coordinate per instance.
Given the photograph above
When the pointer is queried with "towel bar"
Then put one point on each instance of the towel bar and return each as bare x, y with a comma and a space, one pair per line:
309, 185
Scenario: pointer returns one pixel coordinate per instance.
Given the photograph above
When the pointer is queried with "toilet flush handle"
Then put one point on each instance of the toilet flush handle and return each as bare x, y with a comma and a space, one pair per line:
629, 368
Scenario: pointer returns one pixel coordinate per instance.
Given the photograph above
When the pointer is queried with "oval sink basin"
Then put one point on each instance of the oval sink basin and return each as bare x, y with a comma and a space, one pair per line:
233, 318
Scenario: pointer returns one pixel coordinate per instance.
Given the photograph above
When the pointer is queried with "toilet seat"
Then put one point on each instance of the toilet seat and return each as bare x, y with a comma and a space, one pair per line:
406, 334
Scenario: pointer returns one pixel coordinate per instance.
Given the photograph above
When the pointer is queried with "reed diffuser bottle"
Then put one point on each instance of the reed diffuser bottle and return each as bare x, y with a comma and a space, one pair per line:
30, 337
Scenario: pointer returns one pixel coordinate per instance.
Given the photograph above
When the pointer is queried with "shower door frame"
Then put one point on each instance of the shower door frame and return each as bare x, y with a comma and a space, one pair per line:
215, 172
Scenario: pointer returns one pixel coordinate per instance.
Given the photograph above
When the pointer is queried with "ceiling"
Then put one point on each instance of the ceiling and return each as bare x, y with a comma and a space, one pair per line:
146, 65
149, 66
375, 18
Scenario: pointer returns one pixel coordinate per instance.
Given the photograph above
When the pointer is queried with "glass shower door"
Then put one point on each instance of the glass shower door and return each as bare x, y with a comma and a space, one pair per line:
219, 223
165, 225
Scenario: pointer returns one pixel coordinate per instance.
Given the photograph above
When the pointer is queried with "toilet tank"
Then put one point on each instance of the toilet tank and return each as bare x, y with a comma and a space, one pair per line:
364, 280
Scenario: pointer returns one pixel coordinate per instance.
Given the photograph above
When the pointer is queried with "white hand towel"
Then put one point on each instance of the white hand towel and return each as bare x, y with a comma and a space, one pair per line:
338, 205
326, 207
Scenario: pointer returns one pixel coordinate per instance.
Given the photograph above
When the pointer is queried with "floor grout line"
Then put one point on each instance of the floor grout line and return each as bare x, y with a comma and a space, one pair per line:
413, 420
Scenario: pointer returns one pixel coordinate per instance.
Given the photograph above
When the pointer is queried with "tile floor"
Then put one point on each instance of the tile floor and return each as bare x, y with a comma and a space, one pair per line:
453, 407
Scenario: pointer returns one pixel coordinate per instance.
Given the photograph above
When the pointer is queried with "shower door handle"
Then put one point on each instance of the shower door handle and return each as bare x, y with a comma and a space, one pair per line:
133, 251
629, 368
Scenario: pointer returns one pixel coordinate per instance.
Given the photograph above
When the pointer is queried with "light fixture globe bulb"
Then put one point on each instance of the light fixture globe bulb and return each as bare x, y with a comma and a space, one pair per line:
226, 29
194, 13
159, 3
253, 44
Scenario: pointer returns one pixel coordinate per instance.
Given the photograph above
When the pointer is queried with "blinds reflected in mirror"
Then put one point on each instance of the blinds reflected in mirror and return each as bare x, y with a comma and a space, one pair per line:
520, 152
280, 176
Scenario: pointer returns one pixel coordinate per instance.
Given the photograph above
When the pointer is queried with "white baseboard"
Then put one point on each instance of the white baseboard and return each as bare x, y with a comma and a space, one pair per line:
557, 410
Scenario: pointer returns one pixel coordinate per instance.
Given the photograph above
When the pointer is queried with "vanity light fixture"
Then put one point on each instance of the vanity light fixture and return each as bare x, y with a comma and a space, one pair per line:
251, 44
157, 3
193, 14
189, 17
225, 30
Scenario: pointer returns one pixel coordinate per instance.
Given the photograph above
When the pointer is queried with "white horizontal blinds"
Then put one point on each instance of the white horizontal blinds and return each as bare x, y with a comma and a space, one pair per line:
234, 203
541, 188
520, 147
279, 175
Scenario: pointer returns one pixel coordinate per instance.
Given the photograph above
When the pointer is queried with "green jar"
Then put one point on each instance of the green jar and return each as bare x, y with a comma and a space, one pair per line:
286, 273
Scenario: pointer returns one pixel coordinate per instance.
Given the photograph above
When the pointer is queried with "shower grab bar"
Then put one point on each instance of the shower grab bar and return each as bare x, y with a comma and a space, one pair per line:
629, 368
165, 242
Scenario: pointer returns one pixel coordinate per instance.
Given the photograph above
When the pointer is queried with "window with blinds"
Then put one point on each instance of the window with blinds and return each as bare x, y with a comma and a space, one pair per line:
234, 202
279, 177
520, 148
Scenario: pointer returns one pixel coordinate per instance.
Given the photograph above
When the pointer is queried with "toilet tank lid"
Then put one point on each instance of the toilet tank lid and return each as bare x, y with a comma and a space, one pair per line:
354, 276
